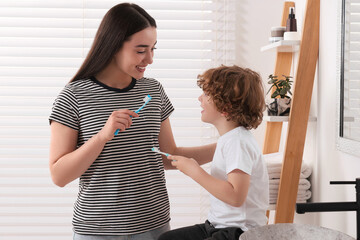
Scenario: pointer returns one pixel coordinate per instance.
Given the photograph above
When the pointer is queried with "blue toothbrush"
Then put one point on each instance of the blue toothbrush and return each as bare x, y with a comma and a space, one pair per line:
155, 149
146, 100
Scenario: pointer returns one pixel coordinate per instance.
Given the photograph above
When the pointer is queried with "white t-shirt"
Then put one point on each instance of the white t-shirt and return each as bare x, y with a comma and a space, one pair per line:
238, 149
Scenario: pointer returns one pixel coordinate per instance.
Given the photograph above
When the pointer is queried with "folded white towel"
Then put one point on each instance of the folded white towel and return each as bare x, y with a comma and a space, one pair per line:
274, 201
305, 174
274, 165
301, 198
304, 197
274, 193
304, 184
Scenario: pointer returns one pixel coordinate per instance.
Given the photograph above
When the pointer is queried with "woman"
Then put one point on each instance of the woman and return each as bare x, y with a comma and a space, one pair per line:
122, 188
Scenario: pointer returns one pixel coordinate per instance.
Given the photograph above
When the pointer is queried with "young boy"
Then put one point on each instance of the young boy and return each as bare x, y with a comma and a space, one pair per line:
233, 101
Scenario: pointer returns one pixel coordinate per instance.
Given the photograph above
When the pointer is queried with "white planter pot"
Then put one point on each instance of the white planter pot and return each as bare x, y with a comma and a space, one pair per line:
279, 107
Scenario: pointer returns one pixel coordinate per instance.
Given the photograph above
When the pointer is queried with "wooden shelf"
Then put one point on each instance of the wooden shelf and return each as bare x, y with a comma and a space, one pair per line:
283, 46
283, 118
300, 106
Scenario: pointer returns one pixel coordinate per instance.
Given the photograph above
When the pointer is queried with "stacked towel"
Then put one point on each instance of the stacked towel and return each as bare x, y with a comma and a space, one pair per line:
274, 165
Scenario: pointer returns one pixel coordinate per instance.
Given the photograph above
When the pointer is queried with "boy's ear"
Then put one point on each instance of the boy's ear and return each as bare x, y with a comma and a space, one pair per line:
225, 114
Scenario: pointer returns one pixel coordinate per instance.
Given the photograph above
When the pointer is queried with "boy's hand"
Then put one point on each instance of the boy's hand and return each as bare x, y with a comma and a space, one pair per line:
188, 166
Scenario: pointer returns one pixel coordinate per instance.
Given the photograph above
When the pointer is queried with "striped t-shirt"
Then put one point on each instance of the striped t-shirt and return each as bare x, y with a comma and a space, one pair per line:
123, 192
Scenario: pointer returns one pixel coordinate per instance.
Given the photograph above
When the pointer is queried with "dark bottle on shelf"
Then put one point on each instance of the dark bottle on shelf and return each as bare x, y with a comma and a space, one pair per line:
291, 21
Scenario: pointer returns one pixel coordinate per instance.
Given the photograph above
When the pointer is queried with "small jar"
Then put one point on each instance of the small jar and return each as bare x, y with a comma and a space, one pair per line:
277, 31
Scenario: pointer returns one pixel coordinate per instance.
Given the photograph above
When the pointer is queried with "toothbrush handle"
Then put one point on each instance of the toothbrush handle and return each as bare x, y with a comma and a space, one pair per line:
137, 111
166, 154
117, 130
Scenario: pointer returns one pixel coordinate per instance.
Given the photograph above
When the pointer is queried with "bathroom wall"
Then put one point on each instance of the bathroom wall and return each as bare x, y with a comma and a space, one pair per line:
332, 164
253, 24
254, 20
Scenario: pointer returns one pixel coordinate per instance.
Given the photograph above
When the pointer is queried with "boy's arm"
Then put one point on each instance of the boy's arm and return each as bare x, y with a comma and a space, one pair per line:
232, 191
203, 154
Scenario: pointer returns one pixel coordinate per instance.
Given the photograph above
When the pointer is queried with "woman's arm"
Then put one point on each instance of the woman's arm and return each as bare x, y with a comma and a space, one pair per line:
66, 161
232, 191
203, 154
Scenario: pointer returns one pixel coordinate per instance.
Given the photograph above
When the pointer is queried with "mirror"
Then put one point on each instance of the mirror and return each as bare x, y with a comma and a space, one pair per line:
349, 76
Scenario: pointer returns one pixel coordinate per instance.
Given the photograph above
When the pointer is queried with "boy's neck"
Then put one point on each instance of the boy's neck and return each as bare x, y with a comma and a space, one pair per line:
223, 126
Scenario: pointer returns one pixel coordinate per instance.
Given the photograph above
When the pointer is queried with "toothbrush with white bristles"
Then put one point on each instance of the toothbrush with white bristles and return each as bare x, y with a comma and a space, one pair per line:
146, 100
155, 149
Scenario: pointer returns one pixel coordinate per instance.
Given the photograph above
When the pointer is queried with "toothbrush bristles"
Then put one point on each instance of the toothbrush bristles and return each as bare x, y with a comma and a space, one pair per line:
147, 98
155, 149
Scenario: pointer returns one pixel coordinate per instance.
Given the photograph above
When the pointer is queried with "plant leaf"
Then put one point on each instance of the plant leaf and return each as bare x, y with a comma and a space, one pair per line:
268, 91
275, 94
283, 92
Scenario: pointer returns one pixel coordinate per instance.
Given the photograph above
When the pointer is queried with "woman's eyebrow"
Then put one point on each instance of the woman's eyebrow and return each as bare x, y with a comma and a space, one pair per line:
144, 46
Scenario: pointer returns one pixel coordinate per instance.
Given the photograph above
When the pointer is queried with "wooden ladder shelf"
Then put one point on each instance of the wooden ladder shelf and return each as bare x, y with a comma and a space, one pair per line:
299, 113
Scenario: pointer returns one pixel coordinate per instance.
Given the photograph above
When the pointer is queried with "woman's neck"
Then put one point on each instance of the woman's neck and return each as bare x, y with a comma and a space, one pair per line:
114, 78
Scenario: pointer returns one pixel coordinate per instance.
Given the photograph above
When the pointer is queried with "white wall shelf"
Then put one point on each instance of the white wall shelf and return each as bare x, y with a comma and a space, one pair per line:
283, 46
284, 118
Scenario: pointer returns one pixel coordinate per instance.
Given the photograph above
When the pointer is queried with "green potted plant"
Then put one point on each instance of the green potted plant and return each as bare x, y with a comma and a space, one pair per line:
281, 92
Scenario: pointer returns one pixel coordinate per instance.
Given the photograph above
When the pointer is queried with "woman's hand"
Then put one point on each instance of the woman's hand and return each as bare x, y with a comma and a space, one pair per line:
188, 166
120, 119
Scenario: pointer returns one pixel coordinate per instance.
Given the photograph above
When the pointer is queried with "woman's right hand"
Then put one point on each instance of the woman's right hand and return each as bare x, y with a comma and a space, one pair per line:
119, 119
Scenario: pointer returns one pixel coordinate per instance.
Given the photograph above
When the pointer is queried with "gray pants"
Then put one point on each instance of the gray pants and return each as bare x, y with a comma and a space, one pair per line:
150, 235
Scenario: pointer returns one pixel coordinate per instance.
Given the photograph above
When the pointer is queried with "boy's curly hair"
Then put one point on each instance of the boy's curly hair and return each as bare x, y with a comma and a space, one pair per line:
236, 91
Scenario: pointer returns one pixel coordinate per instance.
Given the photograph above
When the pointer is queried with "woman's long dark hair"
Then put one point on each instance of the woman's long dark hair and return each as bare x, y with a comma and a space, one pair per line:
118, 24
